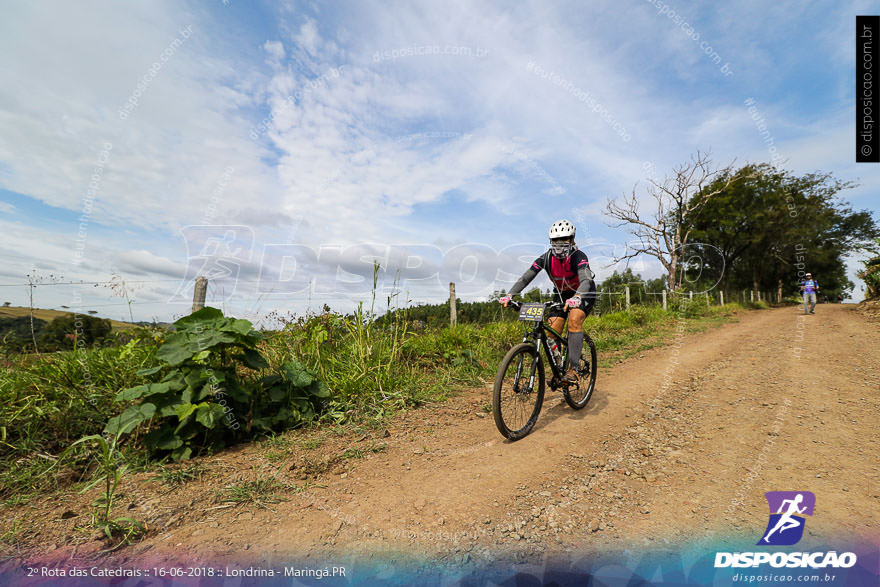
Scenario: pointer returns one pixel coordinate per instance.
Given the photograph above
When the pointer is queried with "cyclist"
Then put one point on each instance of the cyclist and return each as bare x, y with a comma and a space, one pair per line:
569, 270
809, 287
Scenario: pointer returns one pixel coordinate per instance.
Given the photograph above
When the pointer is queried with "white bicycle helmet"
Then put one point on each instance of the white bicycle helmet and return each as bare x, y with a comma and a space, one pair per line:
561, 229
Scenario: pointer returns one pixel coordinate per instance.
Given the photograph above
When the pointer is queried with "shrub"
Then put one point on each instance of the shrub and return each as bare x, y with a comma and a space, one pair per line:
65, 332
209, 388
15, 333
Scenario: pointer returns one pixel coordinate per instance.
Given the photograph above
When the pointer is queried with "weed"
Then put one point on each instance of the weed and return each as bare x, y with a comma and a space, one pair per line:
311, 443
276, 441
14, 533
194, 405
112, 470
176, 477
47, 402
274, 456
352, 453
259, 493
125, 530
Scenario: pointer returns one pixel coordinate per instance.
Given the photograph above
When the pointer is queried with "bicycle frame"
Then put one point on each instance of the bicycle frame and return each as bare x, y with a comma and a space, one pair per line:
540, 335
576, 392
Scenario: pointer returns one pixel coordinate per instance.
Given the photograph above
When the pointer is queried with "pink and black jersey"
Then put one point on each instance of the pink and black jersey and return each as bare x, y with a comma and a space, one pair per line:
570, 275
563, 272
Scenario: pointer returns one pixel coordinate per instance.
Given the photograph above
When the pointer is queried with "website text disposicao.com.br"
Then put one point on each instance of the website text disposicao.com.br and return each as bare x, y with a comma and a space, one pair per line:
422, 50
817, 562
783, 579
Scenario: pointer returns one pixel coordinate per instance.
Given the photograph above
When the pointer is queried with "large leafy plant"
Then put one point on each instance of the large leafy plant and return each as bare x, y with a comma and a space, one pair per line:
212, 389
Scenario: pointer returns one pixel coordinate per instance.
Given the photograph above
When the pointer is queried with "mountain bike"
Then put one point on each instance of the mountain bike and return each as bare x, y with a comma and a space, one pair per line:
519, 385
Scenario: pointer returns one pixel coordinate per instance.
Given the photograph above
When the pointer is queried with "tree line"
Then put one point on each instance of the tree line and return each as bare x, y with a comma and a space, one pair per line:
754, 227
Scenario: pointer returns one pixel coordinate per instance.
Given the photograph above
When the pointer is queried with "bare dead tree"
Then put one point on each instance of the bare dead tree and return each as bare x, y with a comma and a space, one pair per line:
679, 199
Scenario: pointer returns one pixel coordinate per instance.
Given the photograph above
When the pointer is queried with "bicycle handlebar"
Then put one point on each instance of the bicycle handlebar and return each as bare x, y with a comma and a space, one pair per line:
517, 305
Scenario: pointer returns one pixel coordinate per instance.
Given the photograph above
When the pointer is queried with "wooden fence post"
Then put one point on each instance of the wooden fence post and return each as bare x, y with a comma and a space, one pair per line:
664, 299
752, 296
453, 315
627, 297
721, 293
199, 292
690, 296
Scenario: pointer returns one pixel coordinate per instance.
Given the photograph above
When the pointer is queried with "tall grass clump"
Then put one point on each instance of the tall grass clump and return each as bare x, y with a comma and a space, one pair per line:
51, 400
357, 356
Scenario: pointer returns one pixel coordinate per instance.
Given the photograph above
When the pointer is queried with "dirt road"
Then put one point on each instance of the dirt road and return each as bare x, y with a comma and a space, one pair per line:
677, 442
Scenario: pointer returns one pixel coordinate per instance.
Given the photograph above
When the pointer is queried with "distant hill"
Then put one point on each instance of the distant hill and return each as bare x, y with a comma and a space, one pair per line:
49, 315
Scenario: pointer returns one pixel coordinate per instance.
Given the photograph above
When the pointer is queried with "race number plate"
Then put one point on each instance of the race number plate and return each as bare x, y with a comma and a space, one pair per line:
532, 312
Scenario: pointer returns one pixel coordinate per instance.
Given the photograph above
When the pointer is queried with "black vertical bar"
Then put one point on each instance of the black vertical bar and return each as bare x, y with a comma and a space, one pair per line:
867, 88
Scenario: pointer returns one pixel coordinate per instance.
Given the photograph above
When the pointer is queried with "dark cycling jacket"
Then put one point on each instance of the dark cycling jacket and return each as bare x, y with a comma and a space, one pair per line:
569, 275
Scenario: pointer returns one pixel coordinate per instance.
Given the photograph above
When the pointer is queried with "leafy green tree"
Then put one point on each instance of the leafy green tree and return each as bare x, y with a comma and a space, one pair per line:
612, 291
870, 274
768, 227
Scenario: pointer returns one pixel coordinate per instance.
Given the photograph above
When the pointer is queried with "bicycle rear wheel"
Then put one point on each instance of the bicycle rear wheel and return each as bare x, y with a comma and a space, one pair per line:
577, 396
519, 391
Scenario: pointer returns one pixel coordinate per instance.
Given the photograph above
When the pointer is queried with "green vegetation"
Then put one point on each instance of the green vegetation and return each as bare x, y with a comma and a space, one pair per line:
203, 400
73, 331
157, 393
612, 296
179, 476
112, 469
15, 333
769, 227
260, 493
870, 273
49, 401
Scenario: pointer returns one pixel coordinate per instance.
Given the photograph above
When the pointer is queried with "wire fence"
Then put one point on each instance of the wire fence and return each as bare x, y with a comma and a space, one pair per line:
122, 298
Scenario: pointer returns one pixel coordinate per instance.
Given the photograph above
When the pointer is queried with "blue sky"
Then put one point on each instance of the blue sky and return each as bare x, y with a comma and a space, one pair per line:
445, 137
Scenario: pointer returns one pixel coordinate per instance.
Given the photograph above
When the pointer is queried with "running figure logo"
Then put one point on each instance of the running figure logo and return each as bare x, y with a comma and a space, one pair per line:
787, 511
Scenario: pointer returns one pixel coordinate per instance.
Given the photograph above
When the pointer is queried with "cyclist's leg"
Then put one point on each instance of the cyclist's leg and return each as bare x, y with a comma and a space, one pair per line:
575, 336
556, 323
556, 318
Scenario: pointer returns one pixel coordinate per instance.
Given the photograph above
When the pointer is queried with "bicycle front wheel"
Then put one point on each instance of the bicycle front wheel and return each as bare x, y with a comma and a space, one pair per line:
578, 396
519, 391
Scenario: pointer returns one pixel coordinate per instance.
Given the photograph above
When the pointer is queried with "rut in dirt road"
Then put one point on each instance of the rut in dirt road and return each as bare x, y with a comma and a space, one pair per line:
681, 441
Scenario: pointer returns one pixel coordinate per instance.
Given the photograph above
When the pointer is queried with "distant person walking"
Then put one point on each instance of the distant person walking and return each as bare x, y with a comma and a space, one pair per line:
809, 287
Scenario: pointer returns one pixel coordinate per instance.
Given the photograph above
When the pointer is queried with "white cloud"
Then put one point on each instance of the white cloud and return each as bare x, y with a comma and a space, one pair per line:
308, 38
146, 263
275, 49
357, 146
62, 96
